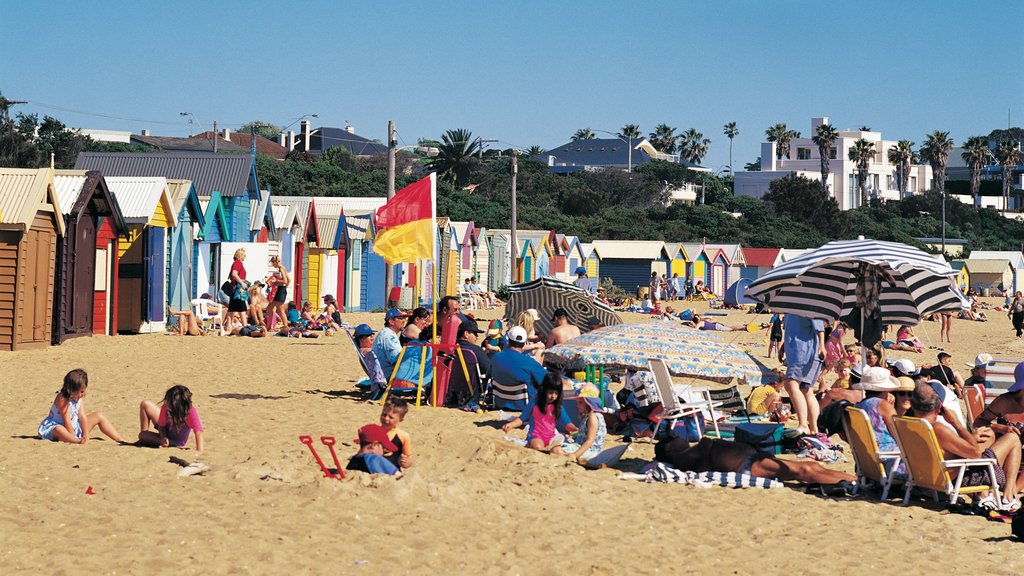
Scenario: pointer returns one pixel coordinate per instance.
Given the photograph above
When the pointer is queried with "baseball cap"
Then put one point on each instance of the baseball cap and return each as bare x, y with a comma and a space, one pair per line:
395, 313
494, 328
376, 433
362, 330
1018, 378
580, 270
533, 312
939, 389
559, 312
905, 367
328, 298
469, 326
517, 334
982, 360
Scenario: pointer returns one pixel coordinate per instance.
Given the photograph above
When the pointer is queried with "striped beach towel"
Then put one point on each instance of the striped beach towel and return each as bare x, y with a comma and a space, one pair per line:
661, 472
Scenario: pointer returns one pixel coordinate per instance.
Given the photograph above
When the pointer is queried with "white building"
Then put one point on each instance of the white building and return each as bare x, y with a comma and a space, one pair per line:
882, 179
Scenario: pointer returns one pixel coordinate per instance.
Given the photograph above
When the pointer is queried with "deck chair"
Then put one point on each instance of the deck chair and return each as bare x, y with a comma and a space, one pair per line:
974, 399
413, 373
207, 319
674, 409
871, 463
510, 397
928, 468
463, 379
363, 384
729, 400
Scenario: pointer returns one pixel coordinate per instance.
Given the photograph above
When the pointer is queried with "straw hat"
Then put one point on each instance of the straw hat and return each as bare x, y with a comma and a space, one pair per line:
876, 379
906, 384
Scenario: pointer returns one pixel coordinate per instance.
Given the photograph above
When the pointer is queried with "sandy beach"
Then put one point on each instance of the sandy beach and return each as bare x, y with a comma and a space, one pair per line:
473, 503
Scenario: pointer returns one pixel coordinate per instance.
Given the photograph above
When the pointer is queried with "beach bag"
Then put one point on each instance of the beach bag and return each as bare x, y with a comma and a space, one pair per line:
228, 287
241, 293
762, 437
690, 428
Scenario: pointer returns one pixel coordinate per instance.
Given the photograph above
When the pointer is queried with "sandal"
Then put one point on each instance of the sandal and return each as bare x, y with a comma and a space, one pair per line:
988, 503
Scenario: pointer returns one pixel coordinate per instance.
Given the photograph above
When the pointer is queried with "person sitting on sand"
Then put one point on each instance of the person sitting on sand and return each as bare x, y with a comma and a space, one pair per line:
257, 303
564, 330
391, 416
714, 455
67, 420
588, 441
187, 323
174, 419
905, 336
545, 415
364, 336
766, 399
373, 442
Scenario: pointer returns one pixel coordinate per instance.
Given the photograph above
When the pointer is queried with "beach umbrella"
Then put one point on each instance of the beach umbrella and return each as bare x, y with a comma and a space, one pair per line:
888, 282
687, 351
545, 295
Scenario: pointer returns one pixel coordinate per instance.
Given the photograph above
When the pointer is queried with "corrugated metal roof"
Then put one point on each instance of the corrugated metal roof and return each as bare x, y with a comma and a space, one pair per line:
460, 229
177, 190
631, 249
761, 256
1016, 258
139, 197
22, 191
328, 206
328, 230
357, 226
284, 216
979, 266
258, 210
732, 251
224, 173
363, 204
68, 184
301, 204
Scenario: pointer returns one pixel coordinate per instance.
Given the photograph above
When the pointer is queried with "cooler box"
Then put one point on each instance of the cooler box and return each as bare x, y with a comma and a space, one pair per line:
763, 437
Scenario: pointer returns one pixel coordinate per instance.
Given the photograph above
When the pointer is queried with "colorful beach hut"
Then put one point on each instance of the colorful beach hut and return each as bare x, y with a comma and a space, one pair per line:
629, 263
86, 203
498, 259
365, 282
481, 257
308, 236
699, 266
759, 261
592, 261
207, 275
31, 223
181, 242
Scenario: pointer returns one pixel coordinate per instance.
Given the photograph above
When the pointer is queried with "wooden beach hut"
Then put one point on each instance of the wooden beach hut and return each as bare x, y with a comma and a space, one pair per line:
307, 237
629, 263
31, 223
592, 259
1014, 257
481, 257
181, 242
366, 269
86, 203
207, 275
142, 272
759, 261
498, 259
698, 267
963, 276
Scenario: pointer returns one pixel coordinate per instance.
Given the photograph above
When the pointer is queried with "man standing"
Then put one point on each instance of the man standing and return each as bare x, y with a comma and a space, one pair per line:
583, 281
563, 330
805, 357
515, 376
387, 346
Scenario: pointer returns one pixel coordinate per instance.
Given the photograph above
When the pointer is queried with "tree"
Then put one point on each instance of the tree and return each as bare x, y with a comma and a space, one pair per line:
630, 131
27, 143
265, 129
754, 166
902, 156
664, 139
731, 131
977, 155
862, 153
534, 151
694, 146
1009, 156
455, 155
936, 151
782, 135
865, 128
825, 137
584, 134
805, 200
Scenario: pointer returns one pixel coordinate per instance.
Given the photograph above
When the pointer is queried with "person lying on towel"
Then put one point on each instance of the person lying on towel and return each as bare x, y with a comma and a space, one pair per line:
715, 455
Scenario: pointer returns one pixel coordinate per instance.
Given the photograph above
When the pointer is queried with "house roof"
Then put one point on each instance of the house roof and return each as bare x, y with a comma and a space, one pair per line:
190, 144
213, 213
353, 204
77, 188
461, 229
329, 206
596, 152
761, 256
787, 254
285, 216
733, 252
224, 173
328, 230
69, 185
183, 195
1016, 258
22, 193
977, 266
304, 210
244, 139
630, 249
139, 197
326, 137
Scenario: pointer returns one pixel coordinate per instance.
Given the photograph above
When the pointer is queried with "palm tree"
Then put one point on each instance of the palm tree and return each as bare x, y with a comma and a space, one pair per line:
694, 146
731, 131
1009, 156
977, 155
455, 154
534, 151
777, 133
584, 134
865, 128
630, 131
825, 136
664, 139
862, 152
902, 156
936, 150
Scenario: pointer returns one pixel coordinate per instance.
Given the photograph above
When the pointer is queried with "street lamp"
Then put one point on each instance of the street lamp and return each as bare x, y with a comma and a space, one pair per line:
629, 146
393, 148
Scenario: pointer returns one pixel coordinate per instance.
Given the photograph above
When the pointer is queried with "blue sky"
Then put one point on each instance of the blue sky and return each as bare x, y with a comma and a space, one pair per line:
522, 73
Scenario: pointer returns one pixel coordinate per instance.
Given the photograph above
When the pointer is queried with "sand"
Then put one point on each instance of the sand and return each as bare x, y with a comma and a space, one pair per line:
473, 503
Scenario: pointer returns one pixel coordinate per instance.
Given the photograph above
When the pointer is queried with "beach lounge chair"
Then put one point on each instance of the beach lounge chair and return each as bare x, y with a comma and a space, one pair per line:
413, 373
363, 384
928, 468
871, 463
207, 319
673, 408
974, 400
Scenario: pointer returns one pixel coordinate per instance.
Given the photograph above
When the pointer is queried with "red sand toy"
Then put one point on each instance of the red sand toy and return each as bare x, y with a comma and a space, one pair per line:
329, 442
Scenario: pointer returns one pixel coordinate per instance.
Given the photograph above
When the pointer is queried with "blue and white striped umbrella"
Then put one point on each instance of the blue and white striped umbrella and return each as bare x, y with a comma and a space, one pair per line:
823, 283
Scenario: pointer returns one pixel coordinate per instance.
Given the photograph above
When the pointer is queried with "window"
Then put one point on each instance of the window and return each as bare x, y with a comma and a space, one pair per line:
832, 154
889, 183
357, 254
913, 184
874, 181
803, 153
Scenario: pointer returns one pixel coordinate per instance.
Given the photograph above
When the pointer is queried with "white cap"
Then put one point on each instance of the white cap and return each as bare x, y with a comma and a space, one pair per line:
983, 360
517, 334
533, 312
906, 367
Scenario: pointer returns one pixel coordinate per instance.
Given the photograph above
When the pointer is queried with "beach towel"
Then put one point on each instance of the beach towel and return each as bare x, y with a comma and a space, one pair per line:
661, 472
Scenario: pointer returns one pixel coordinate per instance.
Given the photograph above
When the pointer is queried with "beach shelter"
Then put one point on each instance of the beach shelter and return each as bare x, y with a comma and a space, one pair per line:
288, 225
677, 259
142, 271
573, 256
990, 276
181, 284
592, 261
719, 276
463, 240
309, 236
366, 269
482, 258
735, 295
539, 253
1014, 257
759, 261
629, 263
963, 278
699, 265
327, 263
86, 202
31, 223
499, 260
207, 275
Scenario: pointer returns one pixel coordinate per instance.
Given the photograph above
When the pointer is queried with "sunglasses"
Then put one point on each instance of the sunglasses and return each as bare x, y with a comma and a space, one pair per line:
907, 394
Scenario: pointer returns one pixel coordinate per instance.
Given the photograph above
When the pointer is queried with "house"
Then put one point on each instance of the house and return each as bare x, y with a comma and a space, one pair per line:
31, 223
573, 254
629, 263
1015, 258
191, 144
600, 153
842, 182
759, 261
86, 203
244, 140
288, 225
991, 277
318, 140
963, 277
142, 270
181, 243
207, 274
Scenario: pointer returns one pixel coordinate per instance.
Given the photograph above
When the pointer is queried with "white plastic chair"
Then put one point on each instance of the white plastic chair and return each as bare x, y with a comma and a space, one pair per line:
673, 408
205, 317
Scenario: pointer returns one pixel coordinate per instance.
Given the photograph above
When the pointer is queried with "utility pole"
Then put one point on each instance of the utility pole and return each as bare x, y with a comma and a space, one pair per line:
214, 136
392, 143
514, 248
480, 151
943, 222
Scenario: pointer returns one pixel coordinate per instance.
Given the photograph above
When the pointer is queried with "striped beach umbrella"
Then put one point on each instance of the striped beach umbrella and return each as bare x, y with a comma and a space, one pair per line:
901, 282
545, 295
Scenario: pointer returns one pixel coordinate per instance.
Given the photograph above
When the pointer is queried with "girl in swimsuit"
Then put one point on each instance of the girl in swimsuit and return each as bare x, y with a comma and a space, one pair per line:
545, 414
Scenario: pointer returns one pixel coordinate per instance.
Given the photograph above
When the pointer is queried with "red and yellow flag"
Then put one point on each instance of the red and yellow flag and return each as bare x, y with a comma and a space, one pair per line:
405, 225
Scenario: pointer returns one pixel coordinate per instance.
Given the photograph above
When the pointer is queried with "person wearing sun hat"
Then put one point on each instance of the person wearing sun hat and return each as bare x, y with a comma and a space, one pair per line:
877, 383
902, 394
588, 441
979, 370
387, 346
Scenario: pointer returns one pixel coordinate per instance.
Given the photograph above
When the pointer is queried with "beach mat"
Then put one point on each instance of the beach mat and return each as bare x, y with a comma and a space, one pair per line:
661, 472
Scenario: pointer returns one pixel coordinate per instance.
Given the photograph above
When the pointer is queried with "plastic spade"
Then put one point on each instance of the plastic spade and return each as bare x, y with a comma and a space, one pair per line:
329, 442
308, 441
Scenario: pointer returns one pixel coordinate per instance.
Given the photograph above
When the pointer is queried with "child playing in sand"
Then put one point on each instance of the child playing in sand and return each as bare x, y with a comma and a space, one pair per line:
174, 419
545, 414
589, 439
67, 420
373, 442
391, 416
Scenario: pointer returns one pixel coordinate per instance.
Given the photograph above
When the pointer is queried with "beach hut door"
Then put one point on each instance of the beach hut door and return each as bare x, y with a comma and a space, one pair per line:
38, 255
155, 267
83, 281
